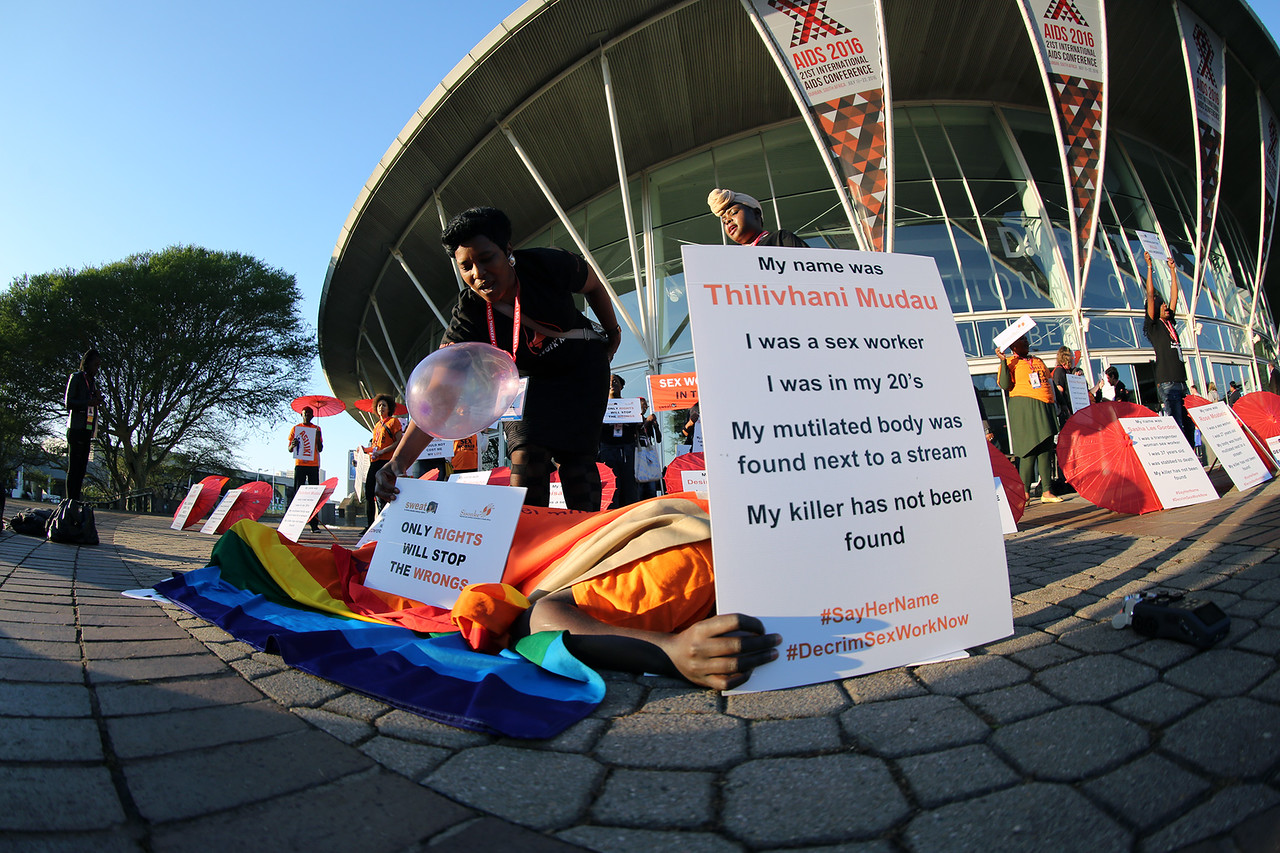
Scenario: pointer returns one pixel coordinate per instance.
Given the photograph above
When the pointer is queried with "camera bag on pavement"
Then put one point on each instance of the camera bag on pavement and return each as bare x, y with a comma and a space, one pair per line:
31, 522
72, 524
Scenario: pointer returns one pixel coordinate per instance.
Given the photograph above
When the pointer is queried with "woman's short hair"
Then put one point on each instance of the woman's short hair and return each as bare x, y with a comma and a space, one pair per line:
387, 398
476, 222
1065, 357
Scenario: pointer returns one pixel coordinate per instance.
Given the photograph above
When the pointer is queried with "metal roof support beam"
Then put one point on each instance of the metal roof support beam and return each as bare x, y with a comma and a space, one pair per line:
404, 265
577, 238
373, 349
444, 220
391, 348
642, 286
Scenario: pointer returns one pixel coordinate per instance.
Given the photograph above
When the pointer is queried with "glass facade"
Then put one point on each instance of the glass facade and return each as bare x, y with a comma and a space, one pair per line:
979, 189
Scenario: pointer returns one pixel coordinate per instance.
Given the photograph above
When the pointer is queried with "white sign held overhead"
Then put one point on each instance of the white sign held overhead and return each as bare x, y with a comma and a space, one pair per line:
1170, 463
1078, 390
438, 538
1152, 246
623, 410
1017, 329
847, 450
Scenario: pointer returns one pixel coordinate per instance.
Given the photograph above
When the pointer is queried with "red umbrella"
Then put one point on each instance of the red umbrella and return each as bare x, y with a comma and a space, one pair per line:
1098, 459
329, 486
321, 405
210, 491
1192, 401
683, 462
1260, 411
366, 405
254, 500
1014, 492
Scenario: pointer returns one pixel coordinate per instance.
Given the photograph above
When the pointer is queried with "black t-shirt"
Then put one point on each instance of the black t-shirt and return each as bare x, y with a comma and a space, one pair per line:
1169, 364
782, 238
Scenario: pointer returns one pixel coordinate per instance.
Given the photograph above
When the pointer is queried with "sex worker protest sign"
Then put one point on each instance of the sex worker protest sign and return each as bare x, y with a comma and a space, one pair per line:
850, 485
437, 538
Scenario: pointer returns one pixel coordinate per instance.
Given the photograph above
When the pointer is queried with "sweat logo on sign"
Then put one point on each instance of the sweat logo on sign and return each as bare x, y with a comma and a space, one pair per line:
812, 20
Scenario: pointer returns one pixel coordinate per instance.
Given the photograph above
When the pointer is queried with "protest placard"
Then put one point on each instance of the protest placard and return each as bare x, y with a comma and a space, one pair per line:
304, 503
623, 410
1222, 431
220, 512
515, 411
1008, 524
844, 454
1078, 389
693, 479
184, 508
1169, 462
669, 392
437, 538
471, 478
1016, 329
438, 448
1152, 246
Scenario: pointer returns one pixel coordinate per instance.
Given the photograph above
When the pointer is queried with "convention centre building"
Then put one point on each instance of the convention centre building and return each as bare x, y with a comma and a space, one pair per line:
568, 101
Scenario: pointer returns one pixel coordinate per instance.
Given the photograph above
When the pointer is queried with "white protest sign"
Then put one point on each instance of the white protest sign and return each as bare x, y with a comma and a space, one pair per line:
693, 480
439, 448
438, 538
1078, 389
471, 478
220, 512
1170, 463
184, 508
1222, 431
556, 501
697, 447
299, 512
1152, 246
1007, 522
846, 446
1017, 329
515, 411
374, 533
623, 410
1273, 444
362, 473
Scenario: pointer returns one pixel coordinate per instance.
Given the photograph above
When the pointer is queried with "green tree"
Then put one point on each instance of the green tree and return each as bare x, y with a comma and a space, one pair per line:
195, 345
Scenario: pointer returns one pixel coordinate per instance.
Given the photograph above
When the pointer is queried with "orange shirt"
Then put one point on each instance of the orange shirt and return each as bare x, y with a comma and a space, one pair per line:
464, 454
1031, 379
306, 451
386, 433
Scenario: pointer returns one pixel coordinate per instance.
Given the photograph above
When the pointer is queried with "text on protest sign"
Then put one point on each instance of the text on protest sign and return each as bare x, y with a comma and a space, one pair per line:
1168, 461
843, 444
671, 392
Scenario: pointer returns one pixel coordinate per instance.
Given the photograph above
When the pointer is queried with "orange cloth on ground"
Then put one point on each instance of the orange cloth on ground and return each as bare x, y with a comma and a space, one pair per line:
1022, 369
666, 592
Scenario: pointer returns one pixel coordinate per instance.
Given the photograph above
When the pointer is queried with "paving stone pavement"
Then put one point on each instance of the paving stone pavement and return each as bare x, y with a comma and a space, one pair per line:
132, 726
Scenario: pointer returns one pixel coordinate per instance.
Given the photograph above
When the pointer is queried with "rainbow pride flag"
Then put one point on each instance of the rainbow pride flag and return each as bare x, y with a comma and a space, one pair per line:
298, 602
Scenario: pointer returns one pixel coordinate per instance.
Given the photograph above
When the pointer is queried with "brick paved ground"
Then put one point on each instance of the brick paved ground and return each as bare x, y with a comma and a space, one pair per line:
133, 726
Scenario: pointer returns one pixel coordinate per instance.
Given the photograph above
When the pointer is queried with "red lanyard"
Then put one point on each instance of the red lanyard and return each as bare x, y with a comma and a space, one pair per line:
515, 325
759, 237
1173, 336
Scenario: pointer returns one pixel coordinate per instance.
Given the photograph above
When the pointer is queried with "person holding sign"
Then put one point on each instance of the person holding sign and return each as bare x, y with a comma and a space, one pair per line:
1031, 419
743, 221
1171, 368
1110, 388
386, 438
522, 301
1061, 396
618, 451
305, 443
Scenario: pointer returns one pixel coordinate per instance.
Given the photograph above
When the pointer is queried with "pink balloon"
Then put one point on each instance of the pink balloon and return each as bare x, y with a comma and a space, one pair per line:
461, 389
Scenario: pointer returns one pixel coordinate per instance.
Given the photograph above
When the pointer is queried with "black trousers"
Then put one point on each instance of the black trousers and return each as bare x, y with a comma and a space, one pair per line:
78, 444
370, 482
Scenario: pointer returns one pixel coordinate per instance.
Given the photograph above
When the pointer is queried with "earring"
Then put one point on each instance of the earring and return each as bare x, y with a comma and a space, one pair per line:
511, 259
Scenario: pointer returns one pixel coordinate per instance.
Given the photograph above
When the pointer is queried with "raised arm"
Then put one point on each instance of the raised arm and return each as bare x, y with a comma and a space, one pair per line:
1151, 290
1173, 285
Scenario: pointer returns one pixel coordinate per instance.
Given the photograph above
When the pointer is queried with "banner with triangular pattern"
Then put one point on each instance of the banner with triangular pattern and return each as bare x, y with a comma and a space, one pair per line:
1205, 57
833, 50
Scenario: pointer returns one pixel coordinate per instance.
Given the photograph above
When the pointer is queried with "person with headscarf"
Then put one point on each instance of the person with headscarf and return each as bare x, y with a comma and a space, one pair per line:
743, 220
83, 402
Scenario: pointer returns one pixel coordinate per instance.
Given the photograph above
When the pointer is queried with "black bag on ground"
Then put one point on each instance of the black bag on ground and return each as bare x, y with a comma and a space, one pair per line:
72, 524
31, 522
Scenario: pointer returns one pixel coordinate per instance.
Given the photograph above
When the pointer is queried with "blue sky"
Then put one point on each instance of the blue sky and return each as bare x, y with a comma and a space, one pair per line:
237, 126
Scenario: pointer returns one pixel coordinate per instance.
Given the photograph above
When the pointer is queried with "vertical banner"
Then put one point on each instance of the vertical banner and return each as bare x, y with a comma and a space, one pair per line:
1205, 57
1071, 46
834, 52
1270, 149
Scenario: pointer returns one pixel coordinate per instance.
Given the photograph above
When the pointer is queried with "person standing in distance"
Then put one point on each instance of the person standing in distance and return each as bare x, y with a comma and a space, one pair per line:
305, 443
743, 221
83, 401
1171, 368
386, 438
